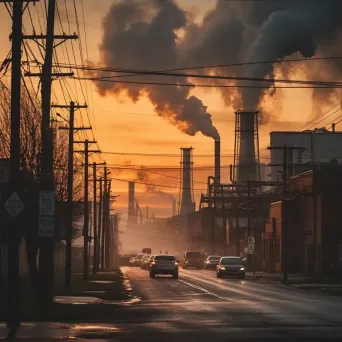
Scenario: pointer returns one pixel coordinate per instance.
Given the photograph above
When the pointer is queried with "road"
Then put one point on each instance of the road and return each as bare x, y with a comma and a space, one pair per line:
200, 307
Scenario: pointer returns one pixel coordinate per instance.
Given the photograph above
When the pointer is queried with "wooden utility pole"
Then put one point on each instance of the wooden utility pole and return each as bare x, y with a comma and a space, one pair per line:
47, 195
86, 213
68, 250
13, 281
108, 227
86, 152
95, 220
104, 218
99, 256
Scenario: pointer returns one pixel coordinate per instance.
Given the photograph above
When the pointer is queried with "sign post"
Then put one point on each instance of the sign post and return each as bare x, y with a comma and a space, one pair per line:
46, 213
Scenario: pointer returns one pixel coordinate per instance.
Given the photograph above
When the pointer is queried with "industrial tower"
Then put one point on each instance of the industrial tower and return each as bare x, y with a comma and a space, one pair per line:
187, 202
246, 147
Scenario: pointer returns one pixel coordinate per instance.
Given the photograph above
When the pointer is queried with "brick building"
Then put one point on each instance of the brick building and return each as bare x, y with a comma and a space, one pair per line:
306, 229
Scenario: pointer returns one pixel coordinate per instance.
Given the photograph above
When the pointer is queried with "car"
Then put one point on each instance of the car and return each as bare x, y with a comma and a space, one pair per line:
138, 258
231, 266
192, 259
149, 262
164, 264
132, 261
144, 260
211, 262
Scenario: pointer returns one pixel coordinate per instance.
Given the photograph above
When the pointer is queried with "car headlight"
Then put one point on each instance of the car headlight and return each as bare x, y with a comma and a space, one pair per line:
242, 269
176, 264
222, 268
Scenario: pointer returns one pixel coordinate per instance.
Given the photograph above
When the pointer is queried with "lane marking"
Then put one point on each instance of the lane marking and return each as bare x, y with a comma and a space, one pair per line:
205, 291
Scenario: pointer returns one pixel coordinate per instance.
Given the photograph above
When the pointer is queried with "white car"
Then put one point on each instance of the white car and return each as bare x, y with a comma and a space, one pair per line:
164, 264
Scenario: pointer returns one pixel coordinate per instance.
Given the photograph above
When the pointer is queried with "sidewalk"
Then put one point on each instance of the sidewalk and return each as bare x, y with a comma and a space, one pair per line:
85, 300
277, 277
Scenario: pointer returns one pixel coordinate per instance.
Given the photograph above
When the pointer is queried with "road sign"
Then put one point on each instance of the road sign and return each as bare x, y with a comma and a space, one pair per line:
250, 248
47, 213
14, 205
340, 251
47, 203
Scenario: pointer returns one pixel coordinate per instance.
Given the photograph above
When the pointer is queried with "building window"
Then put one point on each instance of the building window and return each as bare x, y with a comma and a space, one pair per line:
277, 250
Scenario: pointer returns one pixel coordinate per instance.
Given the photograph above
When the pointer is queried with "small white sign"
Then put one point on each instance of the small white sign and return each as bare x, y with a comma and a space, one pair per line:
250, 248
14, 205
340, 251
251, 239
47, 213
47, 203
46, 226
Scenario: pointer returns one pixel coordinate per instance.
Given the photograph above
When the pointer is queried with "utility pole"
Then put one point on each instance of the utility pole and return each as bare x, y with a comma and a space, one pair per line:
86, 152
95, 221
47, 196
108, 226
68, 250
104, 219
13, 281
285, 213
86, 214
99, 258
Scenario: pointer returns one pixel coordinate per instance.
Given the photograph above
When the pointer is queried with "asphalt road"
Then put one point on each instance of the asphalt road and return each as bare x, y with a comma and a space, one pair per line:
200, 307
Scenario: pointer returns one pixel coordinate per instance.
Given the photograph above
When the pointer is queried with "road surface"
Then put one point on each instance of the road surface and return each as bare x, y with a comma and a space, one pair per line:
200, 307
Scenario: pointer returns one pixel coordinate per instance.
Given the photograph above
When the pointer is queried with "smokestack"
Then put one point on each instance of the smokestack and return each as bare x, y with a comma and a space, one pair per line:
187, 205
247, 133
131, 203
217, 161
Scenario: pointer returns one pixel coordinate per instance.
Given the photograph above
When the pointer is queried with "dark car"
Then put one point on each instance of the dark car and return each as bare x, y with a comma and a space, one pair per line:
231, 266
164, 264
211, 262
192, 259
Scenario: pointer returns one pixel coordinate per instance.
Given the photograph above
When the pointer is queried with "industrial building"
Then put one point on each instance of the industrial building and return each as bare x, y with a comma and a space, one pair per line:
303, 233
318, 146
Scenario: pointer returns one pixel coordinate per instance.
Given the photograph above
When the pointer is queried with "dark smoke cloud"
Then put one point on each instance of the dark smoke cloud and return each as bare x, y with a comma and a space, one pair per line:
145, 35
142, 34
296, 28
143, 176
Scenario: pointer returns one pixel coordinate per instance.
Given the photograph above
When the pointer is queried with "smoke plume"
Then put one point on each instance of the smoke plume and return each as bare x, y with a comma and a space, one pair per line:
143, 176
159, 35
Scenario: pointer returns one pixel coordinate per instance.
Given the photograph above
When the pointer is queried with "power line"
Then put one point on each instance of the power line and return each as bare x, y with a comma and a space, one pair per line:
191, 85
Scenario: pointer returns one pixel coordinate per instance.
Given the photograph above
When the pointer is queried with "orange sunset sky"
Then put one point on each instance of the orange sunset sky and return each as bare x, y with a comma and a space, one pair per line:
123, 126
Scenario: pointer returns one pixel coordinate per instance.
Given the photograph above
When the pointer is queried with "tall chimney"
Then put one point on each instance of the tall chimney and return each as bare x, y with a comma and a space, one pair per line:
246, 134
131, 203
186, 189
217, 161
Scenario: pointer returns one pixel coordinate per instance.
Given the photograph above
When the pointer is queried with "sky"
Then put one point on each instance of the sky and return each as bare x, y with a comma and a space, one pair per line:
121, 125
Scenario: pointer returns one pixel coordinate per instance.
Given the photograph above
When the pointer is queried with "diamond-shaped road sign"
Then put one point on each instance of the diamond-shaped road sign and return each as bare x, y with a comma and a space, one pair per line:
14, 205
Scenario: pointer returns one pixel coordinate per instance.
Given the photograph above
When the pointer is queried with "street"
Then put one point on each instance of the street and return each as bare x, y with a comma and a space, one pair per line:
198, 305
